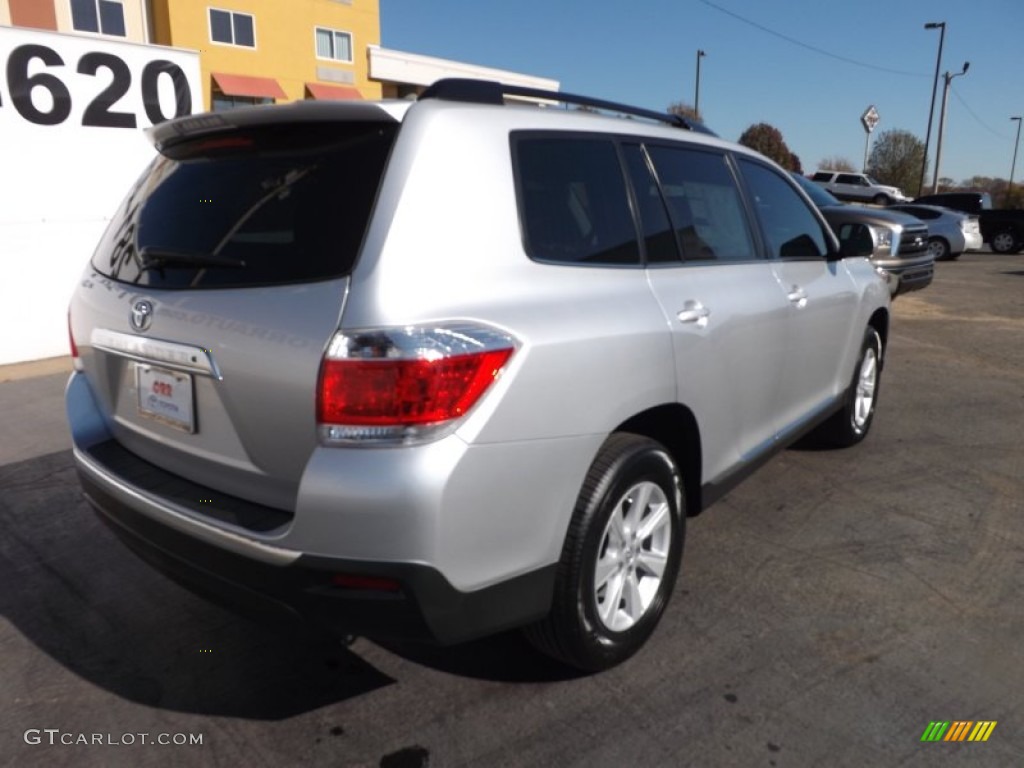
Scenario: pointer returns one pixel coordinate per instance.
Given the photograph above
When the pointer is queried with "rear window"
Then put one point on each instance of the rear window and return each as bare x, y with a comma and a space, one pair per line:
278, 204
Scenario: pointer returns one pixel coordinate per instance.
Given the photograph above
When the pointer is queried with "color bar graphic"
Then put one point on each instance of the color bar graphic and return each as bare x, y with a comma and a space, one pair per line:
958, 730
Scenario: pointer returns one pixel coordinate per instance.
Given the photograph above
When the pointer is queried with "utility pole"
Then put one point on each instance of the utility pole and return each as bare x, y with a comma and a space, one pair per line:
1013, 165
696, 90
940, 25
942, 124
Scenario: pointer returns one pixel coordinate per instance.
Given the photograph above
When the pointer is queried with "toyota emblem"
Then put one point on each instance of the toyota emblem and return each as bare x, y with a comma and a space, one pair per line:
142, 315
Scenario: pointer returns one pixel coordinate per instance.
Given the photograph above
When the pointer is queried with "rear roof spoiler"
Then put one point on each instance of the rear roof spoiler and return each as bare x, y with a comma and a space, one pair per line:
188, 127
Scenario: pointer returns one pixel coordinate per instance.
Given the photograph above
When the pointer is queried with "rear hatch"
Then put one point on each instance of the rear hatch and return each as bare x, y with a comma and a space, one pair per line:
211, 297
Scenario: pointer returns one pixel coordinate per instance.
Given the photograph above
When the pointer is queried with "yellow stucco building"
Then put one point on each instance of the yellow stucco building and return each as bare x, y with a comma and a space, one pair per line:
263, 51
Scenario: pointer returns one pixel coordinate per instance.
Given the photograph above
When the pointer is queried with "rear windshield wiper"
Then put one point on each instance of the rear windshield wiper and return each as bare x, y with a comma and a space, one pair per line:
156, 258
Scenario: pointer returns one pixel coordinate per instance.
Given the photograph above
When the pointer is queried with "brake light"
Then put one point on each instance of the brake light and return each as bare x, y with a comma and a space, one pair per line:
405, 384
75, 360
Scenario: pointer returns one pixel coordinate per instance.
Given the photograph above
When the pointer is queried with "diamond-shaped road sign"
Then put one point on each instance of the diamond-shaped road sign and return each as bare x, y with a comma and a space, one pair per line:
870, 118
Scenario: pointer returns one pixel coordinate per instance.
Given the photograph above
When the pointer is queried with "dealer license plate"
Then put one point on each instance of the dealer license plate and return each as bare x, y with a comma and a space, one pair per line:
165, 396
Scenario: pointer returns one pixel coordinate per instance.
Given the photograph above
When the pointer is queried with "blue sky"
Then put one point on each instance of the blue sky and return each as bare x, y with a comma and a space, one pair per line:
643, 52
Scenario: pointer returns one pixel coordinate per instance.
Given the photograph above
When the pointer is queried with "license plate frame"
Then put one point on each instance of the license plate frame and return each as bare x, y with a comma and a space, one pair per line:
166, 396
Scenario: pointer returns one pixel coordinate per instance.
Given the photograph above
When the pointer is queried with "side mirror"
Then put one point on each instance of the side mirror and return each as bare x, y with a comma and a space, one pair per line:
855, 241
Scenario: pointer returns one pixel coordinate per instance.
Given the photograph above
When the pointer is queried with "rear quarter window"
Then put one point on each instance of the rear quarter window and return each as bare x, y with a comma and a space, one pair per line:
573, 204
273, 205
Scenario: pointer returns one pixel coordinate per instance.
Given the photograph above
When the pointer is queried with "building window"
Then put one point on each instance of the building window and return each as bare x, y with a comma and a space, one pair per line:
223, 102
232, 28
333, 44
104, 16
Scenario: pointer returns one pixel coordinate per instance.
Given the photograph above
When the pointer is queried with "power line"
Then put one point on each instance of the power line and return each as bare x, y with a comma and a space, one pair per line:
980, 122
809, 47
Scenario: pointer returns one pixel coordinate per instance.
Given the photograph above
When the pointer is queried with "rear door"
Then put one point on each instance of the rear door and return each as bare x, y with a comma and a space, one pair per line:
215, 290
721, 300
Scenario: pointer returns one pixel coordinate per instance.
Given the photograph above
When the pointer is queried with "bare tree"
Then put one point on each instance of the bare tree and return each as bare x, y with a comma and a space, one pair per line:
683, 109
837, 163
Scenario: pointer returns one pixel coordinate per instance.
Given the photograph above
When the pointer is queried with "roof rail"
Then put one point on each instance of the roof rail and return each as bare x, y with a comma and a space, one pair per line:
493, 92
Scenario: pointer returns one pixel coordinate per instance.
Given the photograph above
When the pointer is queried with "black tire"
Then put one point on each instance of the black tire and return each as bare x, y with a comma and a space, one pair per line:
1005, 241
574, 632
852, 422
880, 200
939, 248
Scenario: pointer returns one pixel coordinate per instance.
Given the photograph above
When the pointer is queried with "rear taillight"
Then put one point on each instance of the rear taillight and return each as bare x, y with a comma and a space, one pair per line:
405, 384
75, 360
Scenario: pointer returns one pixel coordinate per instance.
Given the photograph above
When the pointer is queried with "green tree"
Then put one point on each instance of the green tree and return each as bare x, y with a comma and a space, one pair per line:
767, 140
896, 160
837, 163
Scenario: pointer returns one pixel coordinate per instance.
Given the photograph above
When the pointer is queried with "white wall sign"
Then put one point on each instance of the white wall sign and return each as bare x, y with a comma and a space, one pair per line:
72, 110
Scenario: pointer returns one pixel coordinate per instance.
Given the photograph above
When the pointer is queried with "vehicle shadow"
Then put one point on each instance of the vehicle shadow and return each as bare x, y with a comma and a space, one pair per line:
75, 592
506, 657
78, 595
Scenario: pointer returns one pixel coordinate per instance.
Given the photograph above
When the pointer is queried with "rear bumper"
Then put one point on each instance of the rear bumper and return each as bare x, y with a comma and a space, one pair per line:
442, 565
423, 605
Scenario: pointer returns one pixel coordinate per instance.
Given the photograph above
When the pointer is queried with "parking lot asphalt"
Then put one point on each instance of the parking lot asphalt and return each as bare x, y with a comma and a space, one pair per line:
828, 610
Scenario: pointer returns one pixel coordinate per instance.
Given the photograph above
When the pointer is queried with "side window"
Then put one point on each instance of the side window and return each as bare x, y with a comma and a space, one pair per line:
850, 178
792, 230
659, 238
822, 176
572, 201
704, 204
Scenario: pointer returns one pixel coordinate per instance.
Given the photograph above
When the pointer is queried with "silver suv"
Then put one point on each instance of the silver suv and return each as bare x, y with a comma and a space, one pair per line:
859, 188
435, 370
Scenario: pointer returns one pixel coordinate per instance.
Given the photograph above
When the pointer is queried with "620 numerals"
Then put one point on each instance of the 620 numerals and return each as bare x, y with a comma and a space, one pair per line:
100, 110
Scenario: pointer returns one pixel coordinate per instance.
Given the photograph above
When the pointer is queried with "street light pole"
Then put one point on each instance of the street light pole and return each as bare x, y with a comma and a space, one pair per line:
696, 94
1013, 165
948, 78
940, 25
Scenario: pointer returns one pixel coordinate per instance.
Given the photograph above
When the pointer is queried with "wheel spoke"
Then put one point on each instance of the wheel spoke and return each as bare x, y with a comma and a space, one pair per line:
634, 601
659, 517
605, 568
617, 528
641, 498
653, 563
612, 598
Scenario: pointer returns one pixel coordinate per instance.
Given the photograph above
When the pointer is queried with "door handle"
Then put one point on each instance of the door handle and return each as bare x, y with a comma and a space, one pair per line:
694, 312
797, 296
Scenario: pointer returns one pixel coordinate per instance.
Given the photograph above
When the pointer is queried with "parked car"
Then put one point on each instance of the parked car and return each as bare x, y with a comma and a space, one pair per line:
950, 232
899, 242
1002, 229
440, 369
858, 187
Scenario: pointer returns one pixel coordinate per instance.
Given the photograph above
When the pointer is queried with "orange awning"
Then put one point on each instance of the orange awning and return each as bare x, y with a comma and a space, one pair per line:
326, 92
244, 85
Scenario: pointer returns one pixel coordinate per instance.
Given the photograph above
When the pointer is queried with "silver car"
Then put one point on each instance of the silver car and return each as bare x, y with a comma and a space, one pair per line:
950, 232
439, 369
